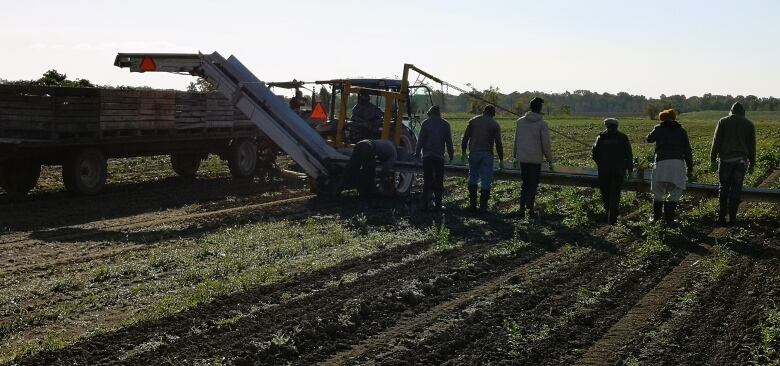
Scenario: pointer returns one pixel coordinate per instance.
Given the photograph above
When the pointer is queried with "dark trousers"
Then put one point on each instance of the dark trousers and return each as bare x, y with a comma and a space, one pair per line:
530, 174
610, 185
732, 176
361, 169
433, 178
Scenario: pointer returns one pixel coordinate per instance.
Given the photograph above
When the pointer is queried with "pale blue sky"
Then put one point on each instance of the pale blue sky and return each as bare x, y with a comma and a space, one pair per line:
641, 47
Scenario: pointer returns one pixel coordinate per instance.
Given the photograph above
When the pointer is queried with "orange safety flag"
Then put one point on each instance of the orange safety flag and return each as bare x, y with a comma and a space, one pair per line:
318, 113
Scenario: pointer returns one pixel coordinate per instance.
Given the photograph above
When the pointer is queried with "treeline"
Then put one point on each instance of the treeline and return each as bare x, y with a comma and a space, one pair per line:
576, 103
587, 103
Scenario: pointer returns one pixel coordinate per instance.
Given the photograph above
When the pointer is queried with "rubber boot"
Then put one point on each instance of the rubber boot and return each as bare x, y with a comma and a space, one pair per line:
437, 201
531, 211
669, 212
483, 200
425, 205
658, 209
472, 197
722, 211
733, 208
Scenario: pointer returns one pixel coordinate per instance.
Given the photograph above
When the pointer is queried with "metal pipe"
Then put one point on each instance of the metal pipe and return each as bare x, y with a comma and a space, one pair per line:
587, 177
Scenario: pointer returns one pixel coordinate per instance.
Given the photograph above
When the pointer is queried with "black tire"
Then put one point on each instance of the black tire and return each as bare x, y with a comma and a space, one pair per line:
19, 176
84, 173
405, 181
186, 165
242, 158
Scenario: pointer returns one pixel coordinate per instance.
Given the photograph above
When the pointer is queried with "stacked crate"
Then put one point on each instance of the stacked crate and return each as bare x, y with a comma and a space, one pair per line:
190, 111
48, 112
207, 110
137, 110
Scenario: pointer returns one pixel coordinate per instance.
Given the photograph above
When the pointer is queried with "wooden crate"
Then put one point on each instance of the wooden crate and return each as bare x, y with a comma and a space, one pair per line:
137, 110
34, 110
190, 110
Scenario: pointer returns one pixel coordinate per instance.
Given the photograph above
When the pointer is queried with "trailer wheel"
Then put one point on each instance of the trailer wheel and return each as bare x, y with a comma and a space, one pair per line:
242, 158
186, 165
84, 173
19, 176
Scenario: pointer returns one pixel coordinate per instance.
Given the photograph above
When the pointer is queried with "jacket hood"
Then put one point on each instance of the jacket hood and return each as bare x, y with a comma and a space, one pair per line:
532, 117
738, 109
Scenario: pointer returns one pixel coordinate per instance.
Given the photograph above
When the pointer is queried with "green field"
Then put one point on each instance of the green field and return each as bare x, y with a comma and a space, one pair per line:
700, 127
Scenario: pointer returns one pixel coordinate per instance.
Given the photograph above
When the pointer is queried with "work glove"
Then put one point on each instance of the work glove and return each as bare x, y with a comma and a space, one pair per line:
551, 167
714, 166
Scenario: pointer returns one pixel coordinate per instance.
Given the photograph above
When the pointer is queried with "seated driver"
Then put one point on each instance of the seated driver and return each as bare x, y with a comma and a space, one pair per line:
367, 114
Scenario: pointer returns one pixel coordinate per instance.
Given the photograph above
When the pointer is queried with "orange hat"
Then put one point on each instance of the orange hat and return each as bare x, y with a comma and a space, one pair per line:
667, 115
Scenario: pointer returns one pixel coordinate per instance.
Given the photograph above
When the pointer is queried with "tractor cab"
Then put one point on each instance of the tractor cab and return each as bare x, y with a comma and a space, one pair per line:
369, 109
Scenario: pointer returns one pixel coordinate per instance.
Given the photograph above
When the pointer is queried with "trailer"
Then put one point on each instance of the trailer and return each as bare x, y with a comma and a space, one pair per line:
79, 129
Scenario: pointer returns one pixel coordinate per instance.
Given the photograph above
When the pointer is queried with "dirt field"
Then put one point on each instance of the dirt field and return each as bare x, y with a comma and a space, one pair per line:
160, 270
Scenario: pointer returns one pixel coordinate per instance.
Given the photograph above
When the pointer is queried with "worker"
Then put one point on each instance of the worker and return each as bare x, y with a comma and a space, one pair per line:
482, 133
297, 102
673, 164
734, 144
435, 136
361, 169
613, 156
532, 146
367, 116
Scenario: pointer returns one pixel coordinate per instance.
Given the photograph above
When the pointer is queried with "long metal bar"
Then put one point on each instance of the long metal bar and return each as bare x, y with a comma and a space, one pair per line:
588, 177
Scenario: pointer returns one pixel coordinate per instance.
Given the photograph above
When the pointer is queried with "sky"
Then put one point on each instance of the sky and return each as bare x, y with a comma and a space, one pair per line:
640, 47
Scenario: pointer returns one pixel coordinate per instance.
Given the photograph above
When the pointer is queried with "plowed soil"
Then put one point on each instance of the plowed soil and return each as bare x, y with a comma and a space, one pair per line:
221, 272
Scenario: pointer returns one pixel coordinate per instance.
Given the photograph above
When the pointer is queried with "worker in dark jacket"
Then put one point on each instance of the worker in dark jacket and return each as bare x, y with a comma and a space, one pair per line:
734, 144
673, 165
435, 136
367, 117
482, 134
361, 169
613, 156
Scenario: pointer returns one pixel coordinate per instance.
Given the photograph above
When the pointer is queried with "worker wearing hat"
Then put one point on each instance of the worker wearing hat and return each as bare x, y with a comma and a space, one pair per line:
435, 137
734, 146
673, 164
613, 156
482, 135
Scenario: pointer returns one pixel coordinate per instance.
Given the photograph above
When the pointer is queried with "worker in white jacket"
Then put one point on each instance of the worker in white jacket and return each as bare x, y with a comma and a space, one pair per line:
532, 146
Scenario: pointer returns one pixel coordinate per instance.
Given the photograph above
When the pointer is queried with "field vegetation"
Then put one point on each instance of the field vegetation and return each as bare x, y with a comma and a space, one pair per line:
162, 270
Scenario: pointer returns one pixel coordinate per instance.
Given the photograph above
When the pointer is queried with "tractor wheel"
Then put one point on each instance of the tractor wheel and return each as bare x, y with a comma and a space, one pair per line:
242, 158
17, 177
186, 165
405, 181
84, 173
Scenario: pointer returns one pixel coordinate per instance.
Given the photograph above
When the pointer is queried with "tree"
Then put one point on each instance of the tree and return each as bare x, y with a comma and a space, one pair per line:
652, 111
563, 110
201, 85
55, 78
325, 98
